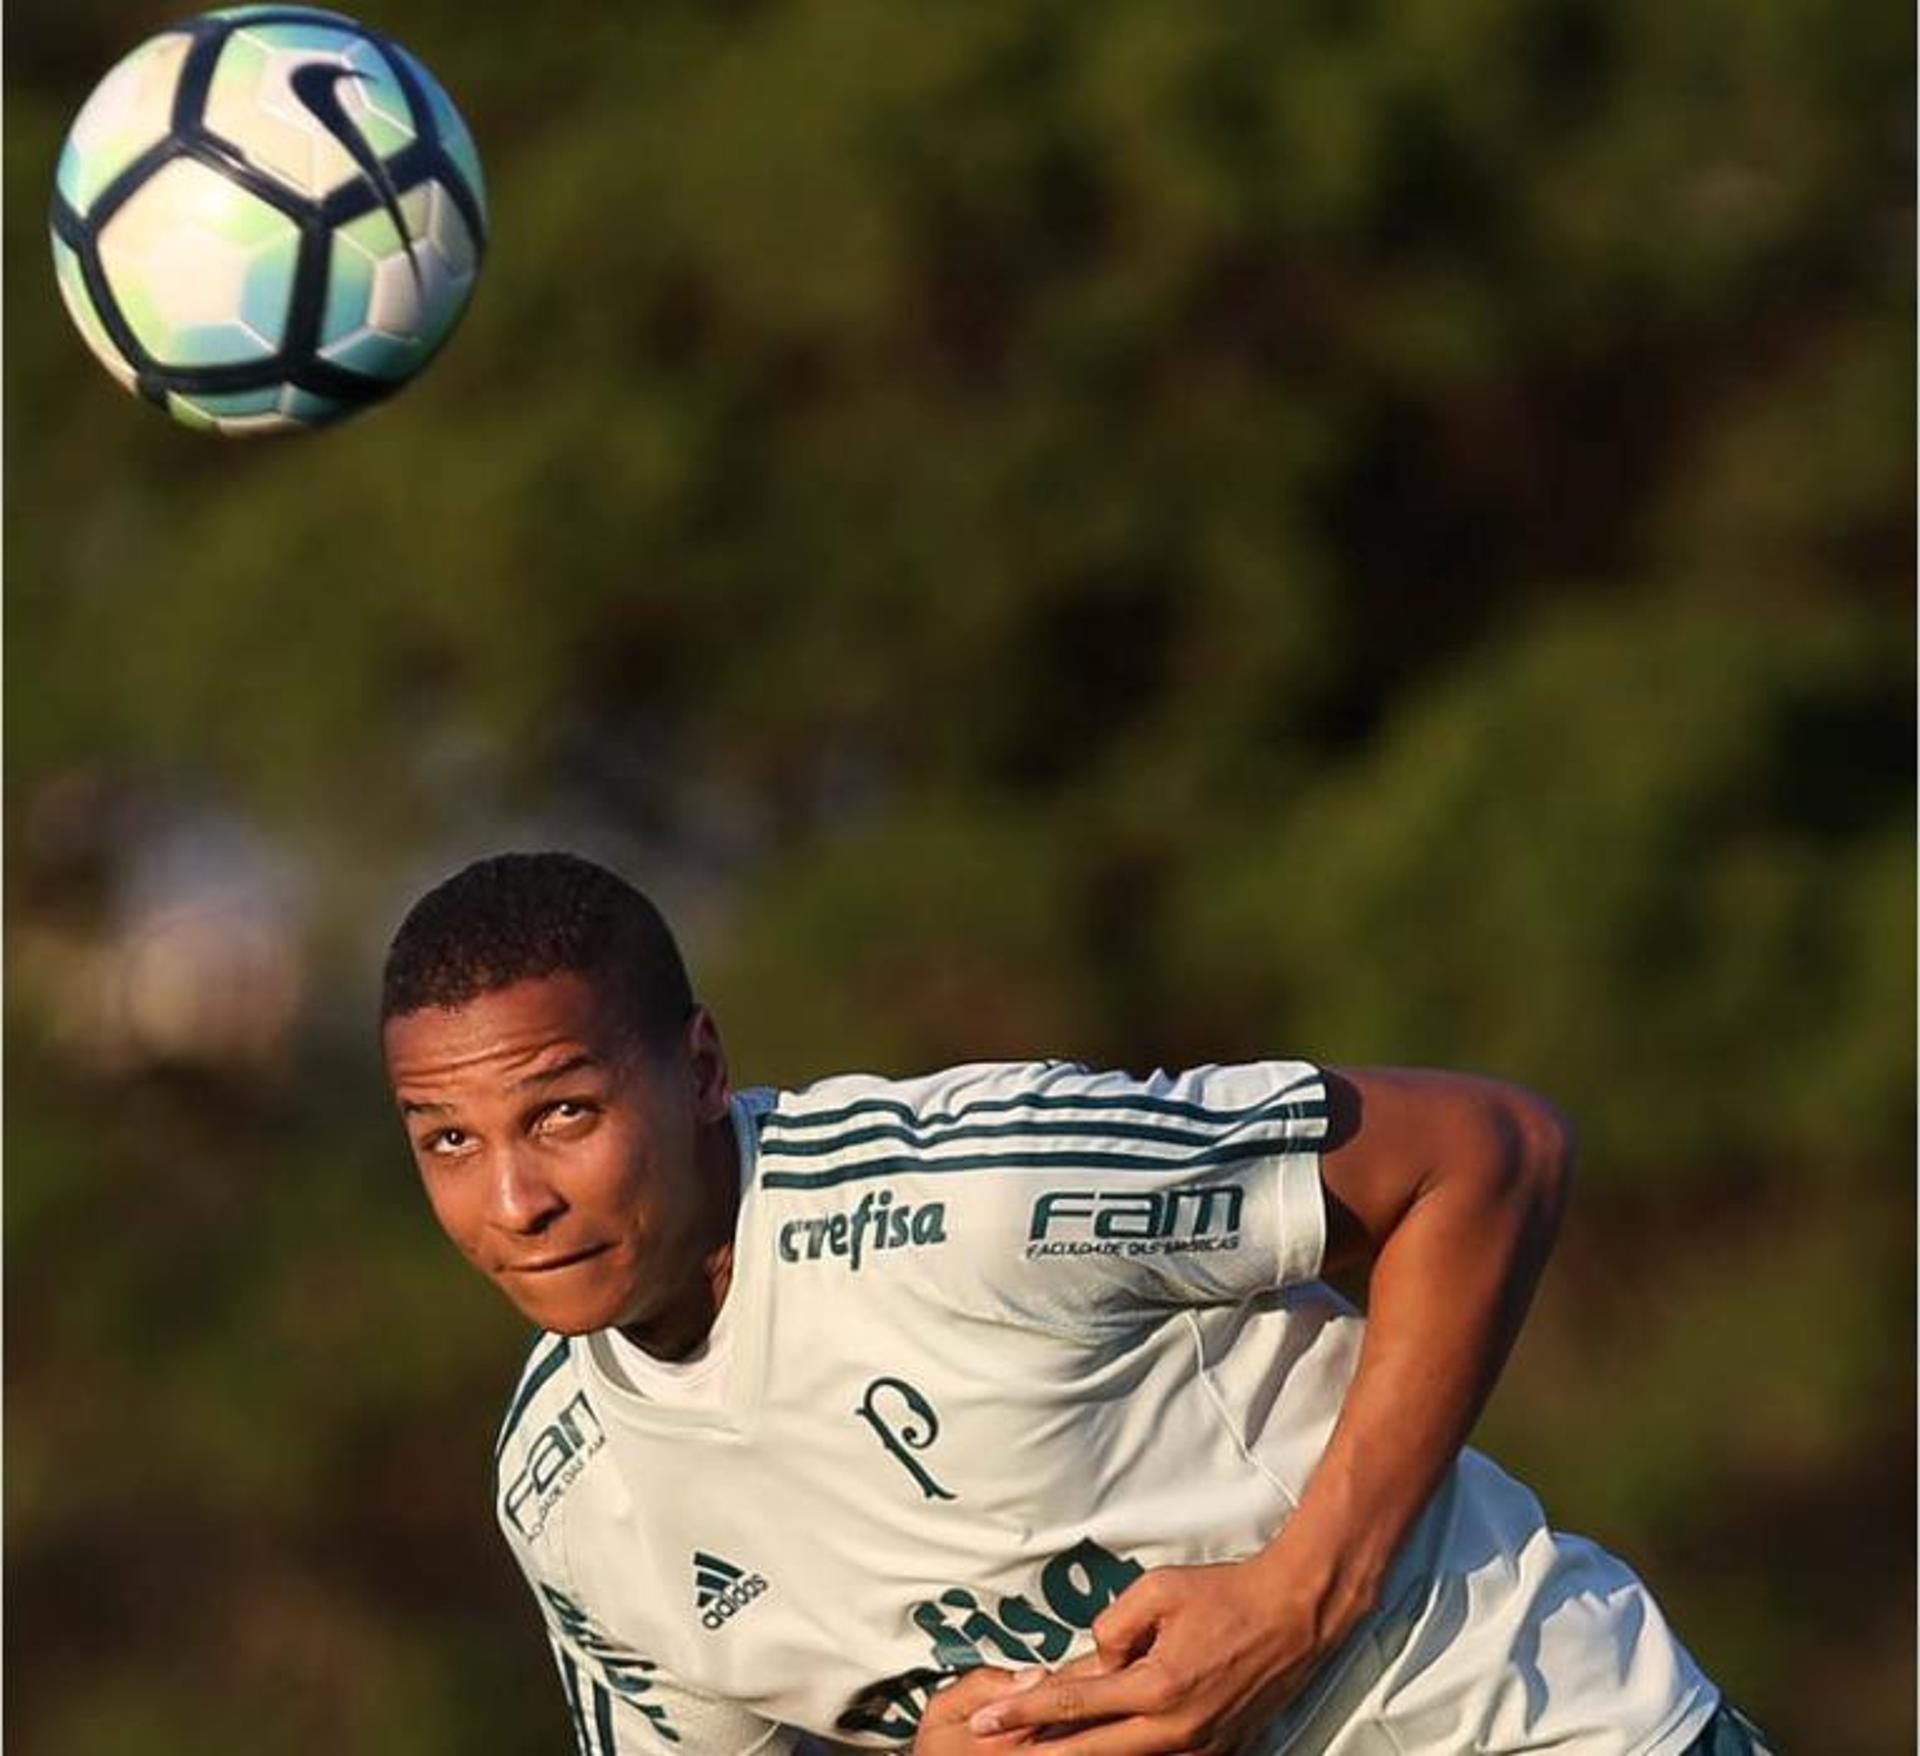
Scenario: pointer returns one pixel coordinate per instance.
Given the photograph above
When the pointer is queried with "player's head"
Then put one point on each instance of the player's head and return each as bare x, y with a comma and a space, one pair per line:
565, 1097
513, 917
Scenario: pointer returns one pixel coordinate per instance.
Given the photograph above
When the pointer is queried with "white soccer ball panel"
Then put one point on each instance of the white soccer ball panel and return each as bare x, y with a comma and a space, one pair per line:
201, 270
388, 307
252, 104
130, 110
256, 426
420, 306
447, 227
452, 129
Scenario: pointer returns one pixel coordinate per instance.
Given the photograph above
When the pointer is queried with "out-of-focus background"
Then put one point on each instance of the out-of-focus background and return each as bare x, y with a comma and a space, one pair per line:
1150, 533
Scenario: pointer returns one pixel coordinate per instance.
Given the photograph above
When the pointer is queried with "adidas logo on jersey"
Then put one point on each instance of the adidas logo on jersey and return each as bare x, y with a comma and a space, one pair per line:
721, 1590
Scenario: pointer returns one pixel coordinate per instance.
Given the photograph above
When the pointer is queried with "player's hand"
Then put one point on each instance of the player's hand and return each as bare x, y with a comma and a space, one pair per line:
1196, 1659
944, 1728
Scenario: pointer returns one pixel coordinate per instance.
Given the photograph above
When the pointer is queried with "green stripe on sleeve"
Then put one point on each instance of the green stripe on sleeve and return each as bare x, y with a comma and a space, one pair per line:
1229, 1152
570, 1682
537, 1374
1158, 1135
782, 1121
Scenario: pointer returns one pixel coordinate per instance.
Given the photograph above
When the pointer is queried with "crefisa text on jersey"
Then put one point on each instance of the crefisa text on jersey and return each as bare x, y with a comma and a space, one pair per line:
877, 1221
554, 1461
1135, 1222
963, 1632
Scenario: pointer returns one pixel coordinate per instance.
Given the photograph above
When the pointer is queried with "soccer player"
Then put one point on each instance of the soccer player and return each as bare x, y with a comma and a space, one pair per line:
1016, 1373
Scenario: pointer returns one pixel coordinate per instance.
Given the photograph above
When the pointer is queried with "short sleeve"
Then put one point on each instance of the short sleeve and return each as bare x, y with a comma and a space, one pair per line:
620, 1700
620, 1703
1064, 1194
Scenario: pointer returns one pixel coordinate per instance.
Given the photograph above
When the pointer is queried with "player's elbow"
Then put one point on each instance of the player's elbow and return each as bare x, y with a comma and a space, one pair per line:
1538, 1147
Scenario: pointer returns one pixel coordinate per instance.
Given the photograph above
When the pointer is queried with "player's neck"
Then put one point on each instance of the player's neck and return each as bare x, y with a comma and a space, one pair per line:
680, 1329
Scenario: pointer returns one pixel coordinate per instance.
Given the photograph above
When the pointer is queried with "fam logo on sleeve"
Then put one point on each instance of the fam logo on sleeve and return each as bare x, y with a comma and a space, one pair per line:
1135, 1222
555, 1458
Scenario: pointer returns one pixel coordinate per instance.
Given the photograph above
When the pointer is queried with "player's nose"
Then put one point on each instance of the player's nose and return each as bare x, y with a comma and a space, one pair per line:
523, 1197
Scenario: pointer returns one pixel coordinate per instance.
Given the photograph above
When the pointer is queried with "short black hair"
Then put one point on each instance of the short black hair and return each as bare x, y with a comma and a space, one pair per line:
512, 917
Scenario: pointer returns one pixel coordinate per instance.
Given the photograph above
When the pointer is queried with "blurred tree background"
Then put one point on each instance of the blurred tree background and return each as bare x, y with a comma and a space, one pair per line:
1148, 532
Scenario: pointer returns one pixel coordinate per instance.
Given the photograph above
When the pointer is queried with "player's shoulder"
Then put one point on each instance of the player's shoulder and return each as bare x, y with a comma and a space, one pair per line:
988, 1099
547, 1419
546, 1377
967, 1136
889, 1123
920, 1097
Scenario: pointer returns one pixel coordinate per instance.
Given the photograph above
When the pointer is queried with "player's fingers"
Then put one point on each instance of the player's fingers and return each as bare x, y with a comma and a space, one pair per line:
1117, 1737
1064, 1700
1126, 1626
972, 1690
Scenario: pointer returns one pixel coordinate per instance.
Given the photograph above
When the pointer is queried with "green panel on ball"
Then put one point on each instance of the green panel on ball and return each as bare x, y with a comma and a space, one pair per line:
320, 37
385, 117
373, 234
349, 288
222, 404
129, 111
188, 416
79, 303
238, 13
376, 355
267, 294
247, 414
310, 410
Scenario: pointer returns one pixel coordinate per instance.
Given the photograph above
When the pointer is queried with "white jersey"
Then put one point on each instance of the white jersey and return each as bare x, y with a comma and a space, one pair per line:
1000, 1340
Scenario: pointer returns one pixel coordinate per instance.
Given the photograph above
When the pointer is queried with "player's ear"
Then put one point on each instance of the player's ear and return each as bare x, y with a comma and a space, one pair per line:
707, 1066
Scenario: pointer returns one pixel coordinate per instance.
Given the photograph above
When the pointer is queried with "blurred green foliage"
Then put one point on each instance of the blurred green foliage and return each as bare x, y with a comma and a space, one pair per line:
1148, 532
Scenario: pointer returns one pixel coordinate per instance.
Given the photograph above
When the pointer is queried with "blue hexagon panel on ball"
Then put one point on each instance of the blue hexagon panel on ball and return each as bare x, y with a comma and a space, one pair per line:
267, 217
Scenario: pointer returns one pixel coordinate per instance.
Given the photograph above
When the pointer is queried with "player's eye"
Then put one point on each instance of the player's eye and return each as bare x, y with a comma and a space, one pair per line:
446, 1142
565, 1113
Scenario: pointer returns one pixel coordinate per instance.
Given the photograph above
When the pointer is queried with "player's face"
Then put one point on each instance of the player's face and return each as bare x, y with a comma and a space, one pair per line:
571, 1164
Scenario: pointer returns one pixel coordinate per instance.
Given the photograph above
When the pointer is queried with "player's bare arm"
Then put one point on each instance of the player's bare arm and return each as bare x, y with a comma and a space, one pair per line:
1451, 1188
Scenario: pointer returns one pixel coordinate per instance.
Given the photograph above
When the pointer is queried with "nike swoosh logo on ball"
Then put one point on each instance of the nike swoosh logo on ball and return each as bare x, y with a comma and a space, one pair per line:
316, 85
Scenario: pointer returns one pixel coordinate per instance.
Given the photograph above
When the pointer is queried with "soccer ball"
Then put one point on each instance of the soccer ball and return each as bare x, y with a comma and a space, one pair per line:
267, 217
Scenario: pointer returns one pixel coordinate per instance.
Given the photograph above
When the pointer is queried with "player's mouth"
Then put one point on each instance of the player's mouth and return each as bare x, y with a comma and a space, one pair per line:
547, 1264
